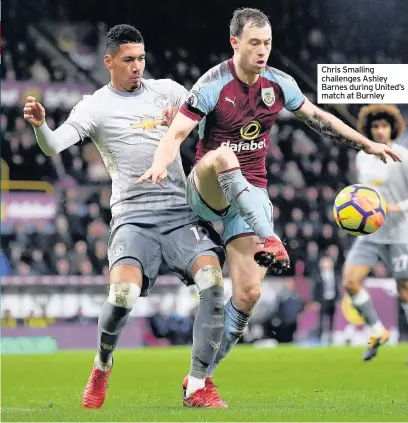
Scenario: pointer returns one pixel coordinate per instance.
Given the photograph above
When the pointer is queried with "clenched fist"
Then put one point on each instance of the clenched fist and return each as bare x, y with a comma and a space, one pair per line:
34, 112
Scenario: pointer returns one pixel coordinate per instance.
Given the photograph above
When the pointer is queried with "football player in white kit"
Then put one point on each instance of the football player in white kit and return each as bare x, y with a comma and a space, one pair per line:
383, 124
150, 223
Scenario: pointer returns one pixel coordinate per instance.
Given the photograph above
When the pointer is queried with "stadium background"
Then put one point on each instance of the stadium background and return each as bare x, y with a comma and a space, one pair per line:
55, 211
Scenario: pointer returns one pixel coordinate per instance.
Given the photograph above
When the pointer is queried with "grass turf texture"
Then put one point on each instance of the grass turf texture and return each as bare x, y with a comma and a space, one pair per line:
282, 384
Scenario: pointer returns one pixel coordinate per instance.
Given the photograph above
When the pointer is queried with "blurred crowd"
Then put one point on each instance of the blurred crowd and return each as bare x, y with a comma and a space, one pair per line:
21, 60
305, 171
81, 163
304, 31
75, 244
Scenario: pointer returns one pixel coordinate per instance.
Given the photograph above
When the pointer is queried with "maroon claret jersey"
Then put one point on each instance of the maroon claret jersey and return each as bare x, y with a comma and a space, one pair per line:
240, 116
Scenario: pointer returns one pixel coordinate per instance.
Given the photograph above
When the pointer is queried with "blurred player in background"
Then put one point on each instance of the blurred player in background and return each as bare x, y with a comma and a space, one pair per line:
149, 224
236, 103
383, 124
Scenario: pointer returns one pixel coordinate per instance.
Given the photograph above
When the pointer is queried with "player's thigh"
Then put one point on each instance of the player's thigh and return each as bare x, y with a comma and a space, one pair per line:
362, 257
199, 205
127, 271
134, 256
206, 182
246, 274
191, 246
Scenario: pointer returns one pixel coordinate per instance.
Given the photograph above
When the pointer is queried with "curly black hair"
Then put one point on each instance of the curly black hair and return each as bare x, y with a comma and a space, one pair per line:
373, 112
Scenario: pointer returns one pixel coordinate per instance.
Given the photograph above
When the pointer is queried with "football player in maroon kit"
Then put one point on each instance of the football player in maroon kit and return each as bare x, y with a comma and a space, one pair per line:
236, 103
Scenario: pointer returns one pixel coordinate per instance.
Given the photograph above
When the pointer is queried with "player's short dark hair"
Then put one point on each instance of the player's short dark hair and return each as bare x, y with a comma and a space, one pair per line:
122, 34
245, 15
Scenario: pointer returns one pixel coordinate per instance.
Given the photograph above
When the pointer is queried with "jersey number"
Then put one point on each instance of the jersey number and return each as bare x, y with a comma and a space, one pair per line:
203, 236
400, 263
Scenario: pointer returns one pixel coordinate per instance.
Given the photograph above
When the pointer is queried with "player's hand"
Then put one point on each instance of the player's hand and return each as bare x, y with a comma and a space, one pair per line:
393, 208
34, 112
157, 173
169, 113
382, 151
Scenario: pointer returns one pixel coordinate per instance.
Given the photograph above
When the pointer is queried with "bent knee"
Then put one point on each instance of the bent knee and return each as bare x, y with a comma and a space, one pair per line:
208, 276
247, 298
224, 151
126, 270
123, 294
351, 282
125, 284
225, 158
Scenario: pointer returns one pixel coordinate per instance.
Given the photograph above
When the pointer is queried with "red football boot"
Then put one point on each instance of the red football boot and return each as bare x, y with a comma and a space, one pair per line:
206, 397
95, 390
212, 388
273, 253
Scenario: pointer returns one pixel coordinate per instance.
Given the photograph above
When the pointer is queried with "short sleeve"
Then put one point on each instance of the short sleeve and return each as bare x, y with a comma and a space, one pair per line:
177, 94
292, 94
294, 97
201, 100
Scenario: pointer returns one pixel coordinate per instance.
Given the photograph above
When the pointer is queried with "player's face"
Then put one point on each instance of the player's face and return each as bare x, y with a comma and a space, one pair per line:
381, 131
253, 47
127, 66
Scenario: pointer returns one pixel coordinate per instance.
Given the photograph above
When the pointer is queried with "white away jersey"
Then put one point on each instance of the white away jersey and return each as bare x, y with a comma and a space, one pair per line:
127, 128
391, 179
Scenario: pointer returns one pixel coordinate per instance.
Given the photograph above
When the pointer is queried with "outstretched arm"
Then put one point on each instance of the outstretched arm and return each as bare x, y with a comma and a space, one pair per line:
167, 150
53, 142
50, 142
333, 128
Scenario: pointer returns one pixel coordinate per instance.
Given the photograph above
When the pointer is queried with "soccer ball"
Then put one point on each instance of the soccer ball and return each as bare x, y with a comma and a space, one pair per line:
359, 210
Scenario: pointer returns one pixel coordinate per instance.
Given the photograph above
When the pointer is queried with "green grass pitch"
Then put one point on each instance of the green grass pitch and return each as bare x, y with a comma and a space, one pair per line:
281, 384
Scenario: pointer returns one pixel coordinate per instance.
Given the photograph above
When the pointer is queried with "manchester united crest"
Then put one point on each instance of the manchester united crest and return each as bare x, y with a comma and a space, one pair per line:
268, 96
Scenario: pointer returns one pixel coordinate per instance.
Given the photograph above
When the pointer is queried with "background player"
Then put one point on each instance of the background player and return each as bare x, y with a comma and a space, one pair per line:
236, 103
148, 223
383, 124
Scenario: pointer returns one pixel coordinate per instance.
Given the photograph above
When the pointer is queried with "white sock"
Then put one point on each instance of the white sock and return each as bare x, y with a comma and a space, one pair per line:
360, 298
377, 328
194, 384
102, 366
405, 308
